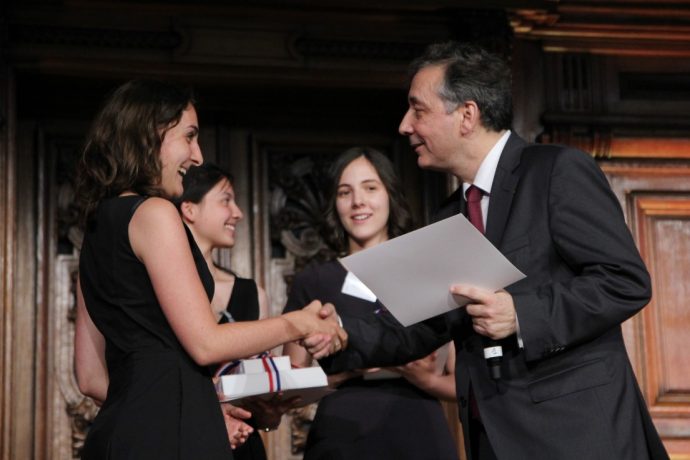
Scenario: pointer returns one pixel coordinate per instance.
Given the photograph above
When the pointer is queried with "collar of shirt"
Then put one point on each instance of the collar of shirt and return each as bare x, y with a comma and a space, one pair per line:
485, 174
487, 170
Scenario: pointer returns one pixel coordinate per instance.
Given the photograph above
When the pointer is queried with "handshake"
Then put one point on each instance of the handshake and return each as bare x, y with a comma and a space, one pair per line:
320, 329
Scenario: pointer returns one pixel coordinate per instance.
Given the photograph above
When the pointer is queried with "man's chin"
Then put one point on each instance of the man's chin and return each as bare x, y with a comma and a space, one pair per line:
423, 162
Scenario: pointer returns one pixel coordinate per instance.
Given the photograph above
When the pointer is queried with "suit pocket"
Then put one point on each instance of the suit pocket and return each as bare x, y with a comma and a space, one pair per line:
515, 244
587, 375
516, 250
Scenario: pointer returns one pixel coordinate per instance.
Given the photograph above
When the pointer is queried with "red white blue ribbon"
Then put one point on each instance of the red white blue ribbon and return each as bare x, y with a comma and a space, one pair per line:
272, 371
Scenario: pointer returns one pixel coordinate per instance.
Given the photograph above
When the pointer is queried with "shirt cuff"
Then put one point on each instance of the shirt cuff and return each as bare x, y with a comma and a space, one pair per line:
517, 333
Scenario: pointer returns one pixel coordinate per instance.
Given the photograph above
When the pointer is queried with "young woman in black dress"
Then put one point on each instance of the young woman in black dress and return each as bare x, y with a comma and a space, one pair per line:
145, 332
209, 210
374, 414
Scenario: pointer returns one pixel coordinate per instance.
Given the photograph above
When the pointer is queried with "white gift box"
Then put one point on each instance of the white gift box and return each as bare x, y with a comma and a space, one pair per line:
253, 381
257, 366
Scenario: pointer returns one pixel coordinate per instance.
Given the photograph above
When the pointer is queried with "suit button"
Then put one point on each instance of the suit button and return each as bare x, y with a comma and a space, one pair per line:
463, 402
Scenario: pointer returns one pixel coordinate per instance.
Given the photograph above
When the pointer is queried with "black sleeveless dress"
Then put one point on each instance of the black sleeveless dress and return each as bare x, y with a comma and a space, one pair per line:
244, 306
368, 419
160, 403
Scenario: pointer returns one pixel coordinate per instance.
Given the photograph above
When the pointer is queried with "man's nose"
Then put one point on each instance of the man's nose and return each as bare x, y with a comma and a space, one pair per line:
405, 127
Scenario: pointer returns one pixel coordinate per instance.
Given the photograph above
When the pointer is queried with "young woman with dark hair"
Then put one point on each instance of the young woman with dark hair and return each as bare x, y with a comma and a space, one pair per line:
374, 414
145, 332
208, 208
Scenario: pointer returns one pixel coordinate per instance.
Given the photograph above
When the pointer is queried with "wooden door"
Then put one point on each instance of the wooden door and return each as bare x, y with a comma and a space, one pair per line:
656, 200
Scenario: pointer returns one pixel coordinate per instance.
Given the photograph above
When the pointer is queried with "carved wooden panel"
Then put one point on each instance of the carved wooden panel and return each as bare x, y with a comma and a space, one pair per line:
656, 199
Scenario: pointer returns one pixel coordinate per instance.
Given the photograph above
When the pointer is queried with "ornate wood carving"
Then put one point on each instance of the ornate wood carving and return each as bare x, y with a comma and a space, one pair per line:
72, 411
298, 183
297, 204
80, 410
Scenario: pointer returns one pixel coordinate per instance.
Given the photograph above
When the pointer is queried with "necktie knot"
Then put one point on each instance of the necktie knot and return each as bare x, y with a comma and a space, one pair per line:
474, 208
474, 194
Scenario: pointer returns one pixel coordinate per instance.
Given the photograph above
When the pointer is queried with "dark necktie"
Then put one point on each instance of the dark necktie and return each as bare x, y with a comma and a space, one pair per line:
492, 349
474, 207
474, 214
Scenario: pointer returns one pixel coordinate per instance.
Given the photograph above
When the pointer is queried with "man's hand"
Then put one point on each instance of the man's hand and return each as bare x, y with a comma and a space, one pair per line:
322, 345
493, 313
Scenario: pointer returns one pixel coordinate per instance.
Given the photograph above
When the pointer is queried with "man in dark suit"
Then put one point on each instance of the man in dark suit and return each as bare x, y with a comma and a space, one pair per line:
566, 388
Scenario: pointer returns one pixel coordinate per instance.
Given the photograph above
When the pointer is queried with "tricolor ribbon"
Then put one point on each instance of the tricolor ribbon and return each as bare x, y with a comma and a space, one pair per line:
272, 370
226, 368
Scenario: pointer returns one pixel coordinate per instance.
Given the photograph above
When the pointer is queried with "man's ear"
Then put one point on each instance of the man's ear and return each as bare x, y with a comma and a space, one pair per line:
188, 211
470, 117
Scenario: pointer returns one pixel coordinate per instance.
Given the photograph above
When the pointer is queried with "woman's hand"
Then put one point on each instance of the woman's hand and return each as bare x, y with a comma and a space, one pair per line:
268, 413
324, 335
238, 430
421, 371
429, 373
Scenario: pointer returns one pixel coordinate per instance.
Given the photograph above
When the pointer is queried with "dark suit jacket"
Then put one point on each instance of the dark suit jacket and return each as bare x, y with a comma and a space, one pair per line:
570, 393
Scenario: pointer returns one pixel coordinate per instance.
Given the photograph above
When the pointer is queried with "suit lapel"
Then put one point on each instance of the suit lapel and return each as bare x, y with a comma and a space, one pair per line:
503, 189
454, 204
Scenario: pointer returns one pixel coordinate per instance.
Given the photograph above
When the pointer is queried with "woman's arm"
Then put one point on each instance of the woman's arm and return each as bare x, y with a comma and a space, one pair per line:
159, 240
298, 355
263, 302
89, 354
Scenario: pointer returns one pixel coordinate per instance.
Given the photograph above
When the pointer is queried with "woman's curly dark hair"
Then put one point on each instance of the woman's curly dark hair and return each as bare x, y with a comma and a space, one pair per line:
122, 149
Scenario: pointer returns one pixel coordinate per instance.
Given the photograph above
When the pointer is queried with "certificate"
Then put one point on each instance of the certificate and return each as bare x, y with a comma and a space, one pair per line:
411, 274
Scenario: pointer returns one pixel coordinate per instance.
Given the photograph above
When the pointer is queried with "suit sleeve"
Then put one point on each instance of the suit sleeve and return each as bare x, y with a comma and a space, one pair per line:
599, 279
380, 340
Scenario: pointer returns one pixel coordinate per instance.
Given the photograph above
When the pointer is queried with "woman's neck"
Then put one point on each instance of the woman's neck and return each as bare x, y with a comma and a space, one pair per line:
356, 246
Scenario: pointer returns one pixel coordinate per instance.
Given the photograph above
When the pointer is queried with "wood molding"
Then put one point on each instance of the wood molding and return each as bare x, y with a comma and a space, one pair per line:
600, 142
617, 28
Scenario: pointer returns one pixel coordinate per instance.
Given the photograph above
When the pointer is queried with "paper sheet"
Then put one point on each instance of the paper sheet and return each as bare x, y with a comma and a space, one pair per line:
412, 274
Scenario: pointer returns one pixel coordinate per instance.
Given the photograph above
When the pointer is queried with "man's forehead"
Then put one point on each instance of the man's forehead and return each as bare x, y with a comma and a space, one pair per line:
425, 85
